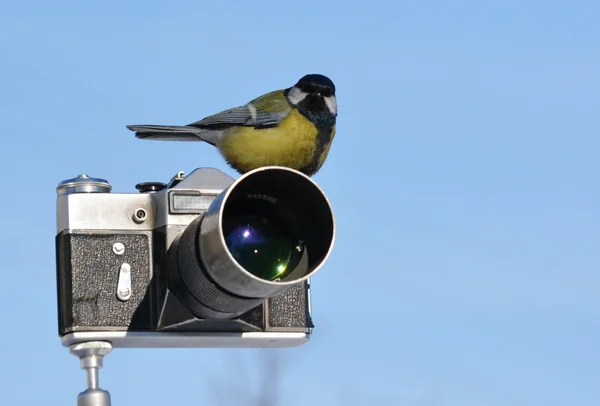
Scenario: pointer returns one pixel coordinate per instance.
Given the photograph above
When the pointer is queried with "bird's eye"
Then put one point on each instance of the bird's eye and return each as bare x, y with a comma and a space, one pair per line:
327, 92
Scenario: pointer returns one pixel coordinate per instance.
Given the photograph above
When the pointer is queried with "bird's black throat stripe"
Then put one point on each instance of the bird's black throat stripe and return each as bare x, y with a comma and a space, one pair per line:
324, 121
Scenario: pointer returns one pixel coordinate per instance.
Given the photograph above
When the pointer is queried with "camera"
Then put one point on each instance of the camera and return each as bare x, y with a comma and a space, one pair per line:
201, 261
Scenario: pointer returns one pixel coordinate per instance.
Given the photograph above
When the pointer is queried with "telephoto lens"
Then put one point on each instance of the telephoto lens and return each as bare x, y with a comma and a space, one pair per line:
270, 230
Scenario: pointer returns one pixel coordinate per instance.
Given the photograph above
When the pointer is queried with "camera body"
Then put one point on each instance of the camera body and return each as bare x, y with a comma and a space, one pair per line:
158, 268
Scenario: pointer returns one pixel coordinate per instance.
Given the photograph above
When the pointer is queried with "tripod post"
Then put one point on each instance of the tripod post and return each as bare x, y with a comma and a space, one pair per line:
91, 355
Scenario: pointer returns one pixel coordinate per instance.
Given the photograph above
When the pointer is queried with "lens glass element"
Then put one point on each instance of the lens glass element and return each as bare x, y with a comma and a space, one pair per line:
261, 246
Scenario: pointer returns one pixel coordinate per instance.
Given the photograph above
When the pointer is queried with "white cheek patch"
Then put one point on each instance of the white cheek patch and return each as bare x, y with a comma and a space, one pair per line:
296, 95
331, 103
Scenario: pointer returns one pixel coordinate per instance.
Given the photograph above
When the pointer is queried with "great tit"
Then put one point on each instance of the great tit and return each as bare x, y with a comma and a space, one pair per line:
292, 127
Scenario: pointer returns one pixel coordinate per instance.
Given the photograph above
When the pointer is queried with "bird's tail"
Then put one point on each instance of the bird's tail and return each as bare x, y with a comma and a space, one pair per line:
173, 133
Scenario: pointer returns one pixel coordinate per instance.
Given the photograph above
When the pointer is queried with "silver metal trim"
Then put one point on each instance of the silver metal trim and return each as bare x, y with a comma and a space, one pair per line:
83, 184
221, 265
115, 211
125, 339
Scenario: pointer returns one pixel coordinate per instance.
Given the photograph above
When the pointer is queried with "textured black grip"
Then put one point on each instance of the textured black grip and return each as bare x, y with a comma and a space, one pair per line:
198, 284
88, 274
289, 310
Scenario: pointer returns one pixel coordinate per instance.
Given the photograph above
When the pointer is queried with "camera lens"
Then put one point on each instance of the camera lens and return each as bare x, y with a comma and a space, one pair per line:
270, 230
264, 244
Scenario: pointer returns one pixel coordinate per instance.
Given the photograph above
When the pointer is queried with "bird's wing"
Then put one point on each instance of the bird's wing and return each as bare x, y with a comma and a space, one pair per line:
265, 111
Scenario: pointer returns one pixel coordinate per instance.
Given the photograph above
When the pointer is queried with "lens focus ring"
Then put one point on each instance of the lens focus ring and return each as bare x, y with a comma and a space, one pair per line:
196, 281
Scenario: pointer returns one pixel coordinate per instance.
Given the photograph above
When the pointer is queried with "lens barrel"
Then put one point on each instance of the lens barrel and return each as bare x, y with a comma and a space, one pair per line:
269, 230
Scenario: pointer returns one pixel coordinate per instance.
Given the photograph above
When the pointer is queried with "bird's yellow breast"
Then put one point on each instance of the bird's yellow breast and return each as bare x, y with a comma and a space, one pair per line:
292, 144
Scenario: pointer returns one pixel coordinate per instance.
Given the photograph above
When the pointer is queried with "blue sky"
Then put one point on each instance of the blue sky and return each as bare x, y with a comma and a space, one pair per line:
463, 178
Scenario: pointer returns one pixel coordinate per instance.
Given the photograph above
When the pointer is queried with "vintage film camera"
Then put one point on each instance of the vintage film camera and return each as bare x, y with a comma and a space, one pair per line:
204, 261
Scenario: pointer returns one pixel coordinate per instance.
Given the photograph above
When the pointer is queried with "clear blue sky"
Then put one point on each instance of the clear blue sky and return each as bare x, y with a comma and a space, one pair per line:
464, 178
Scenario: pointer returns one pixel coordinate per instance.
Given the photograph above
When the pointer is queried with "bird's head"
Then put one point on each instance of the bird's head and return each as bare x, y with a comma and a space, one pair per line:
314, 92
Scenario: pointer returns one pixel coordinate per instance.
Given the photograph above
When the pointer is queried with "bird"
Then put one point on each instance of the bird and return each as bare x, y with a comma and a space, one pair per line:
292, 127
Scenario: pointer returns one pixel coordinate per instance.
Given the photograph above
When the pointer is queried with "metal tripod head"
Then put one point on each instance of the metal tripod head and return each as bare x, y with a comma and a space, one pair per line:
91, 355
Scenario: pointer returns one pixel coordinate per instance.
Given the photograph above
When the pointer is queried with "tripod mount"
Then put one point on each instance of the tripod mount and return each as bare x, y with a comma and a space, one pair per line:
91, 355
